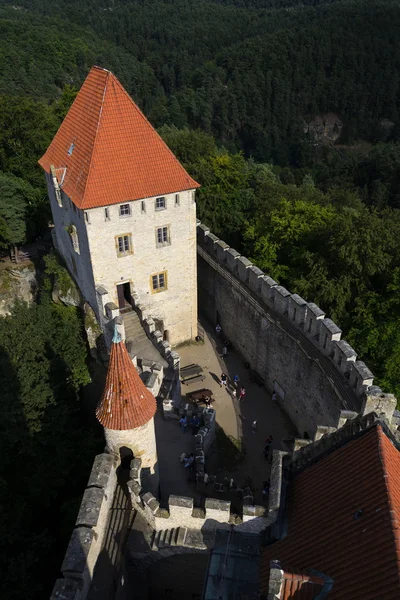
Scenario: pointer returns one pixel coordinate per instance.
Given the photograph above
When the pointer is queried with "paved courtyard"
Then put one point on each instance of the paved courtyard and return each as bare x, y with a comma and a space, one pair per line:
233, 416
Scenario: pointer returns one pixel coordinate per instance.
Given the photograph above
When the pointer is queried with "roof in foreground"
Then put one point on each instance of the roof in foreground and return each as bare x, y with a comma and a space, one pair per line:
109, 150
344, 520
126, 403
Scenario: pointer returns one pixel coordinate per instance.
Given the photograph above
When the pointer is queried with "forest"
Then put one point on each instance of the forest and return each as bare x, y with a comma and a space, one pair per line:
286, 112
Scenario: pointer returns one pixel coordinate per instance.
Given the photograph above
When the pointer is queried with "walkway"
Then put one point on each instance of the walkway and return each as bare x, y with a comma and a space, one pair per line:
141, 345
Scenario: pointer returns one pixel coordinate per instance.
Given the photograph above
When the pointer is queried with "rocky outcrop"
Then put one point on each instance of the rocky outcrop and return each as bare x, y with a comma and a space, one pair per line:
326, 127
66, 291
17, 282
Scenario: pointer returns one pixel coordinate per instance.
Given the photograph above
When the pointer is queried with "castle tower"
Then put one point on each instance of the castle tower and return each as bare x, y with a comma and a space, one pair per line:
124, 211
126, 411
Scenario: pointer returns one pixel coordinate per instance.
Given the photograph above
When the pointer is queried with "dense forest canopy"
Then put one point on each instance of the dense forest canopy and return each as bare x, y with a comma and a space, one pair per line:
286, 112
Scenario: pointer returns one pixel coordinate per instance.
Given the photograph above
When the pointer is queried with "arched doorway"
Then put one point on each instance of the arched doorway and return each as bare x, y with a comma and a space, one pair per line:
126, 456
166, 335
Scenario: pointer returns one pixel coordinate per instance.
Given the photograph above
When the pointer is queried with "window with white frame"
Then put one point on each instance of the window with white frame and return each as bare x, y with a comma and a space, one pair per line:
161, 203
124, 210
158, 282
162, 236
123, 244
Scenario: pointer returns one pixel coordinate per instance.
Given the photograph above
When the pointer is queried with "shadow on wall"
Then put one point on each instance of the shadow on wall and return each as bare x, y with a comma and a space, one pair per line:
93, 562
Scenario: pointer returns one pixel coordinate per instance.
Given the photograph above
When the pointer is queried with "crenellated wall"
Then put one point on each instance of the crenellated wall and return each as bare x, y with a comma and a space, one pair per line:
290, 343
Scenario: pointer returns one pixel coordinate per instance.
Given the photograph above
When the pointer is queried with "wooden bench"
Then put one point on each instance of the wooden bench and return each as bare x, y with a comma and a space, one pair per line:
190, 370
193, 379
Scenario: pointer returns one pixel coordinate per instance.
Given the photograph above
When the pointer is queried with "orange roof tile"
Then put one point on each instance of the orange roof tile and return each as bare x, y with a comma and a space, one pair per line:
361, 555
297, 586
109, 149
126, 403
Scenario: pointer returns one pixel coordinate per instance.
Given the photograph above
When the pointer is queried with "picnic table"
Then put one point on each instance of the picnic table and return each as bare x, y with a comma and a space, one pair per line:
201, 395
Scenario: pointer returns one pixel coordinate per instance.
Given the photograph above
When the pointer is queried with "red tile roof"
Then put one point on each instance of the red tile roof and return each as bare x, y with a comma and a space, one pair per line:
361, 555
111, 152
296, 586
126, 403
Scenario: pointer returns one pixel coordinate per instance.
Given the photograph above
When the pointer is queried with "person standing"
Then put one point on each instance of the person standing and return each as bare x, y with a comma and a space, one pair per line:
236, 381
224, 379
218, 330
242, 393
195, 423
254, 426
224, 352
183, 423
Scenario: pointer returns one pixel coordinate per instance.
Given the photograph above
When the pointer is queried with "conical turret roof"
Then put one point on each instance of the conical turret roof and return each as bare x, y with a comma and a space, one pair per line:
126, 403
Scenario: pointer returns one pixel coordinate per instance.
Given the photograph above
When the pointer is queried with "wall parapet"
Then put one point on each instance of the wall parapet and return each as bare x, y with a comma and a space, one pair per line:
350, 378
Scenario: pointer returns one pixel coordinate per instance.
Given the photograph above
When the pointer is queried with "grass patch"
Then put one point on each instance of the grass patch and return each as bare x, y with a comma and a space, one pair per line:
231, 451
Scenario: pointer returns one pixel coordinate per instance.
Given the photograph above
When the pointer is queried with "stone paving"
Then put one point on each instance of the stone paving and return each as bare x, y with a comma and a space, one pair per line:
235, 417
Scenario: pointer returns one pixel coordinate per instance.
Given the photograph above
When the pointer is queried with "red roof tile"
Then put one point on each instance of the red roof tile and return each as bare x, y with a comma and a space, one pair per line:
361, 555
296, 586
111, 152
126, 403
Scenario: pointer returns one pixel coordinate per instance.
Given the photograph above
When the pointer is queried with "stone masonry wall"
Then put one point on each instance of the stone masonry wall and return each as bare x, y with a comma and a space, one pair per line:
286, 340
90, 527
176, 306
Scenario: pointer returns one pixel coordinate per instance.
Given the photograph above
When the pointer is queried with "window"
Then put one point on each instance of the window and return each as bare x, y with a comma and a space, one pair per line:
123, 244
107, 214
160, 203
124, 210
177, 200
74, 237
143, 206
159, 282
193, 196
162, 236
87, 218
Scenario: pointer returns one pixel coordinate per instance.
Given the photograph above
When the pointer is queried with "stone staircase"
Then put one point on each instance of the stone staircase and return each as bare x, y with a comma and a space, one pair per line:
168, 537
137, 340
182, 536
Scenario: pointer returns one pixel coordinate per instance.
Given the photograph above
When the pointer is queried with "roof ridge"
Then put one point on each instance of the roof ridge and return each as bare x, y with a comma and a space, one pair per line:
97, 130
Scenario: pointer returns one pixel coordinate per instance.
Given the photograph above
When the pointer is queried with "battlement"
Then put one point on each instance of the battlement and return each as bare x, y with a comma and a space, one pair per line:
303, 322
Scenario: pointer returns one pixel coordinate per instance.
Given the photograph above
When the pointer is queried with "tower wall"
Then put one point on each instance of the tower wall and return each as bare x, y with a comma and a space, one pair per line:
142, 442
174, 309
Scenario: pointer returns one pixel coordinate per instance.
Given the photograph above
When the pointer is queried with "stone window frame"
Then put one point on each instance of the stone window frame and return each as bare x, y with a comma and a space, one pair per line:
142, 206
156, 279
124, 210
122, 236
177, 200
160, 203
73, 234
163, 236
107, 213
87, 217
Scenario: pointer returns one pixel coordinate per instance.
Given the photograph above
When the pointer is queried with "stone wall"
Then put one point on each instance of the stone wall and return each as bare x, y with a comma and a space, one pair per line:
88, 535
175, 307
287, 341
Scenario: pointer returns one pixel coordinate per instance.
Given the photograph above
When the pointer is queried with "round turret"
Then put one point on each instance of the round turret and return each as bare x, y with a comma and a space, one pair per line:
126, 411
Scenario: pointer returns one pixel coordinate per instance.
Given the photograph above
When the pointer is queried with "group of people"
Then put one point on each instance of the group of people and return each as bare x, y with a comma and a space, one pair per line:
194, 423
268, 448
224, 382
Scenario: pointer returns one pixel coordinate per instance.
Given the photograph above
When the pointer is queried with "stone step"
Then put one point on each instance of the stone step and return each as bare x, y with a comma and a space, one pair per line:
168, 538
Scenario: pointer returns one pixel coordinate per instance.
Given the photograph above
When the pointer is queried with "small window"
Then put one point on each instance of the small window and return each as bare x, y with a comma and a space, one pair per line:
177, 200
160, 203
107, 214
124, 244
124, 210
162, 236
143, 206
87, 218
326, 340
74, 238
159, 282
58, 196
